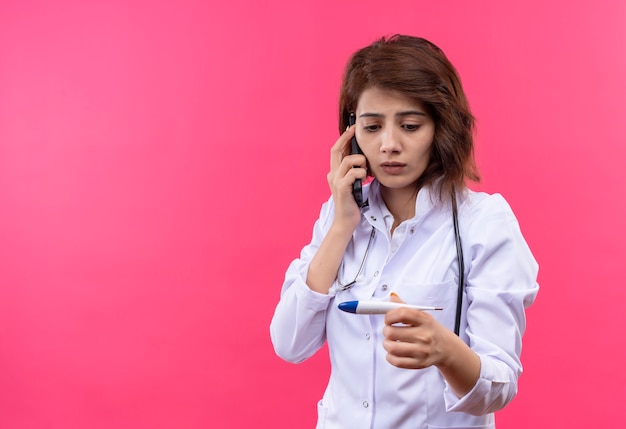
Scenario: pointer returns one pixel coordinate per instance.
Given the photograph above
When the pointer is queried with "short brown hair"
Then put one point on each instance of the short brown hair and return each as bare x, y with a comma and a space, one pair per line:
420, 70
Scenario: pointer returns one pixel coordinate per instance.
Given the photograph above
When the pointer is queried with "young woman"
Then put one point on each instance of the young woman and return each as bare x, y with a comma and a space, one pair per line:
422, 238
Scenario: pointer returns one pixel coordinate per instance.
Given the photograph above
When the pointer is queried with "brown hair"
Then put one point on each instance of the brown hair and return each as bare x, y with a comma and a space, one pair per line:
420, 70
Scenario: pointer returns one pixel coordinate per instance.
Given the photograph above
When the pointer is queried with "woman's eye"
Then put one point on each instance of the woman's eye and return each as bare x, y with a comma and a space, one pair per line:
371, 128
411, 127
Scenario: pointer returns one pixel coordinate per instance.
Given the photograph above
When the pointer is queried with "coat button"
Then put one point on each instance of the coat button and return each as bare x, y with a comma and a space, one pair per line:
366, 404
384, 287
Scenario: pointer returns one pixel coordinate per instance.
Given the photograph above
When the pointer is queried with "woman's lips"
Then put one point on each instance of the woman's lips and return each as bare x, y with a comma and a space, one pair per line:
392, 167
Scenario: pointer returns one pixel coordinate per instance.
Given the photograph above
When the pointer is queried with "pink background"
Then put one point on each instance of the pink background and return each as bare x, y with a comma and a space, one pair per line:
161, 162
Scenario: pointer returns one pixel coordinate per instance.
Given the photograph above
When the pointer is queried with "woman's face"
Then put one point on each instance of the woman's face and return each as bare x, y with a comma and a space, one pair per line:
395, 134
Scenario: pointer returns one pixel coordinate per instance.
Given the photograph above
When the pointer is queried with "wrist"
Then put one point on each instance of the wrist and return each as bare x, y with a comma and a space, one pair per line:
459, 365
341, 229
449, 350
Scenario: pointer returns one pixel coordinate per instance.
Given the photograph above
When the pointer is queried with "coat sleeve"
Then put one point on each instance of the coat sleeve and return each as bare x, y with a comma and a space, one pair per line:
298, 327
501, 284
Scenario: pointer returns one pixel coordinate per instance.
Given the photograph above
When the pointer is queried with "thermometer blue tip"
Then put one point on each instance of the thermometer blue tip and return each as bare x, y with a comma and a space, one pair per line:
349, 306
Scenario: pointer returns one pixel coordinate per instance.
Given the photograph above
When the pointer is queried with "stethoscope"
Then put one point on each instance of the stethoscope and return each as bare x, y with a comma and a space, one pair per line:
459, 256
343, 287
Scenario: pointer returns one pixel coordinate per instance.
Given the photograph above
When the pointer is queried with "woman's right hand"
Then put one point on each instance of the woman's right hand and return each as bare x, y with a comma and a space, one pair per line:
325, 264
345, 168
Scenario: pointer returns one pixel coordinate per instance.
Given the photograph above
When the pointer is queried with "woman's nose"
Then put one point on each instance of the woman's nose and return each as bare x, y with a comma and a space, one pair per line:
389, 141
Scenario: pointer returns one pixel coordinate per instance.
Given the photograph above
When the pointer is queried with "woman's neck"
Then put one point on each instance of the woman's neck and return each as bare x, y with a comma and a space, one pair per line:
400, 203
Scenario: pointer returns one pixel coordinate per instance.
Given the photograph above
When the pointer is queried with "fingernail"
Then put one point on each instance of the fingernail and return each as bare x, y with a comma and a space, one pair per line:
394, 294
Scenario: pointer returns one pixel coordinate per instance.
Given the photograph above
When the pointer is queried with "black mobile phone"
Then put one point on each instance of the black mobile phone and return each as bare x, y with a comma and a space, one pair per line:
357, 187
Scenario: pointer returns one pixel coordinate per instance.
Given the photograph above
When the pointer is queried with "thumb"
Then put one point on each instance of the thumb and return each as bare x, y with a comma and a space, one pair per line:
394, 297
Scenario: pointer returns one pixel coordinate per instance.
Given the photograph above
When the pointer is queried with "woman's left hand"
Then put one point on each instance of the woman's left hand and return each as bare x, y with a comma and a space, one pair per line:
414, 339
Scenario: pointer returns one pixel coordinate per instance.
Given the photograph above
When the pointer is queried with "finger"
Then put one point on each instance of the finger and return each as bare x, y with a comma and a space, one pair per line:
394, 297
341, 148
406, 316
405, 362
356, 162
347, 172
403, 355
398, 333
342, 178
403, 349
410, 334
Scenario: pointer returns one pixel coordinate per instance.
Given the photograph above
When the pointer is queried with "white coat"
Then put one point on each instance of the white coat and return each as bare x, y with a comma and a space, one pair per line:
419, 263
